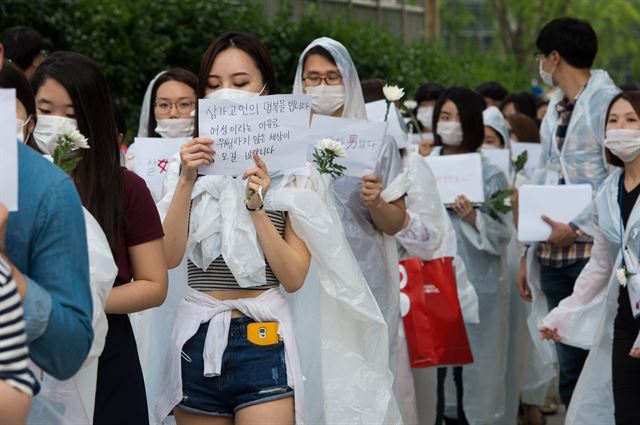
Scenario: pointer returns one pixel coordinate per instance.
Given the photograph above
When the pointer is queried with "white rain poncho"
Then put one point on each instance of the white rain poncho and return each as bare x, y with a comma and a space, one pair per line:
585, 318
492, 117
525, 369
429, 235
342, 338
71, 402
581, 161
376, 252
483, 251
354, 100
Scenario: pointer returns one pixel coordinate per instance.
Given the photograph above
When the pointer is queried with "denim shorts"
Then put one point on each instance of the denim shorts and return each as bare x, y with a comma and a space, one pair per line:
250, 374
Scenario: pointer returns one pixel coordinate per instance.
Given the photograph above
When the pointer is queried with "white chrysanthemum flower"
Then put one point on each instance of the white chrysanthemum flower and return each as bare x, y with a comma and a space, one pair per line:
621, 275
71, 132
507, 202
410, 104
333, 146
392, 93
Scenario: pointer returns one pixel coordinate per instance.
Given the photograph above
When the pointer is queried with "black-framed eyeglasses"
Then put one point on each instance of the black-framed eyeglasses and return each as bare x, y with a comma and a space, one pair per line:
316, 80
183, 107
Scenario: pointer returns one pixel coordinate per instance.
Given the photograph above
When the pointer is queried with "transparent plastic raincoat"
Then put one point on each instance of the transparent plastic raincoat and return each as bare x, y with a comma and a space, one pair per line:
483, 250
581, 161
585, 319
429, 235
341, 334
376, 252
71, 402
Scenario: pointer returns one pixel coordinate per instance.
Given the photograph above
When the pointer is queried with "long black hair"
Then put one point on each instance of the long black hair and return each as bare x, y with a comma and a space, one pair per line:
248, 44
470, 106
175, 74
98, 176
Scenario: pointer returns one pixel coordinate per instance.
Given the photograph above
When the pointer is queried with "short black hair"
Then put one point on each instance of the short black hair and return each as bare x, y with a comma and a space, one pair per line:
318, 50
493, 90
429, 91
574, 39
470, 106
524, 103
372, 89
21, 45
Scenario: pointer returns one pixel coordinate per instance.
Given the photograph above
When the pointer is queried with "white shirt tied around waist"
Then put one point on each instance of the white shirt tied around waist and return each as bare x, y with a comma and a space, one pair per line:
197, 308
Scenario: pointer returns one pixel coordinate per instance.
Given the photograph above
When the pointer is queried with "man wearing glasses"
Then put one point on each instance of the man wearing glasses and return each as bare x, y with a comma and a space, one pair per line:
572, 138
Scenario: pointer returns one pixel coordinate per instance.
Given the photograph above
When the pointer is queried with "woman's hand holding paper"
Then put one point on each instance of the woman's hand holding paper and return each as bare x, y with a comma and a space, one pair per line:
371, 189
193, 154
465, 210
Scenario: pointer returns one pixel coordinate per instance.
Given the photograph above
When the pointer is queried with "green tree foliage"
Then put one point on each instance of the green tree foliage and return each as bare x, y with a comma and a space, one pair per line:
617, 23
134, 40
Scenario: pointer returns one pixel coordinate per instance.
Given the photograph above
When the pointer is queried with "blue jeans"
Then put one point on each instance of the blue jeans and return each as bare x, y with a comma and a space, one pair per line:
251, 374
557, 284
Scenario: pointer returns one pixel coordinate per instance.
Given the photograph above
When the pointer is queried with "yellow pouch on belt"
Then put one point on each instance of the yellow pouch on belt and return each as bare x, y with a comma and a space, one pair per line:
263, 333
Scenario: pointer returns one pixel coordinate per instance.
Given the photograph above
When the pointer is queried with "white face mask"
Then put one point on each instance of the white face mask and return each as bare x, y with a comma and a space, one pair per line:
229, 94
623, 143
175, 127
20, 124
425, 116
48, 130
450, 132
326, 99
486, 146
547, 77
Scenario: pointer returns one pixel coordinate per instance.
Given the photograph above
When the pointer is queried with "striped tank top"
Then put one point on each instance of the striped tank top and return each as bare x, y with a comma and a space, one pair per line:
218, 276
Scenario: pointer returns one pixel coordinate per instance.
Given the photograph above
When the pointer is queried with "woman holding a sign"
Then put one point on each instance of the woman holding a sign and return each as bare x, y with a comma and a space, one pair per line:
482, 237
370, 217
603, 312
168, 109
247, 241
75, 109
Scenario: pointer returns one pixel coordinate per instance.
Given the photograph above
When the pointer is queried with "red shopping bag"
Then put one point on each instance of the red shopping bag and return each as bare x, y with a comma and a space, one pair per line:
432, 317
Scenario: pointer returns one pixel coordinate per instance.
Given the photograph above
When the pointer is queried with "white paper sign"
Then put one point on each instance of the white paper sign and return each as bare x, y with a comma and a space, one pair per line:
501, 158
8, 150
561, 203
533, 155
275, 127
458, 175
395, 128
362, 141
152, 160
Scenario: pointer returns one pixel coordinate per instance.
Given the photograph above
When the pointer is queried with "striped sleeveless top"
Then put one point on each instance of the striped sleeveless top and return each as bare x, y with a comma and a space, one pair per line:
218, 276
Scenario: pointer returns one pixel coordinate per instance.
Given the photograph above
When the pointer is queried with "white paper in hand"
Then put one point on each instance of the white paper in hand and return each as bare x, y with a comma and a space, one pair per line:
458, 175
533, 155
395, 127
8, 150
275, 127
562, 203
152, 160
362, 141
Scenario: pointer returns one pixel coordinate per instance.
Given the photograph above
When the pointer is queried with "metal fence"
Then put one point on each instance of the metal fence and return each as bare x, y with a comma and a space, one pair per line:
404, 18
